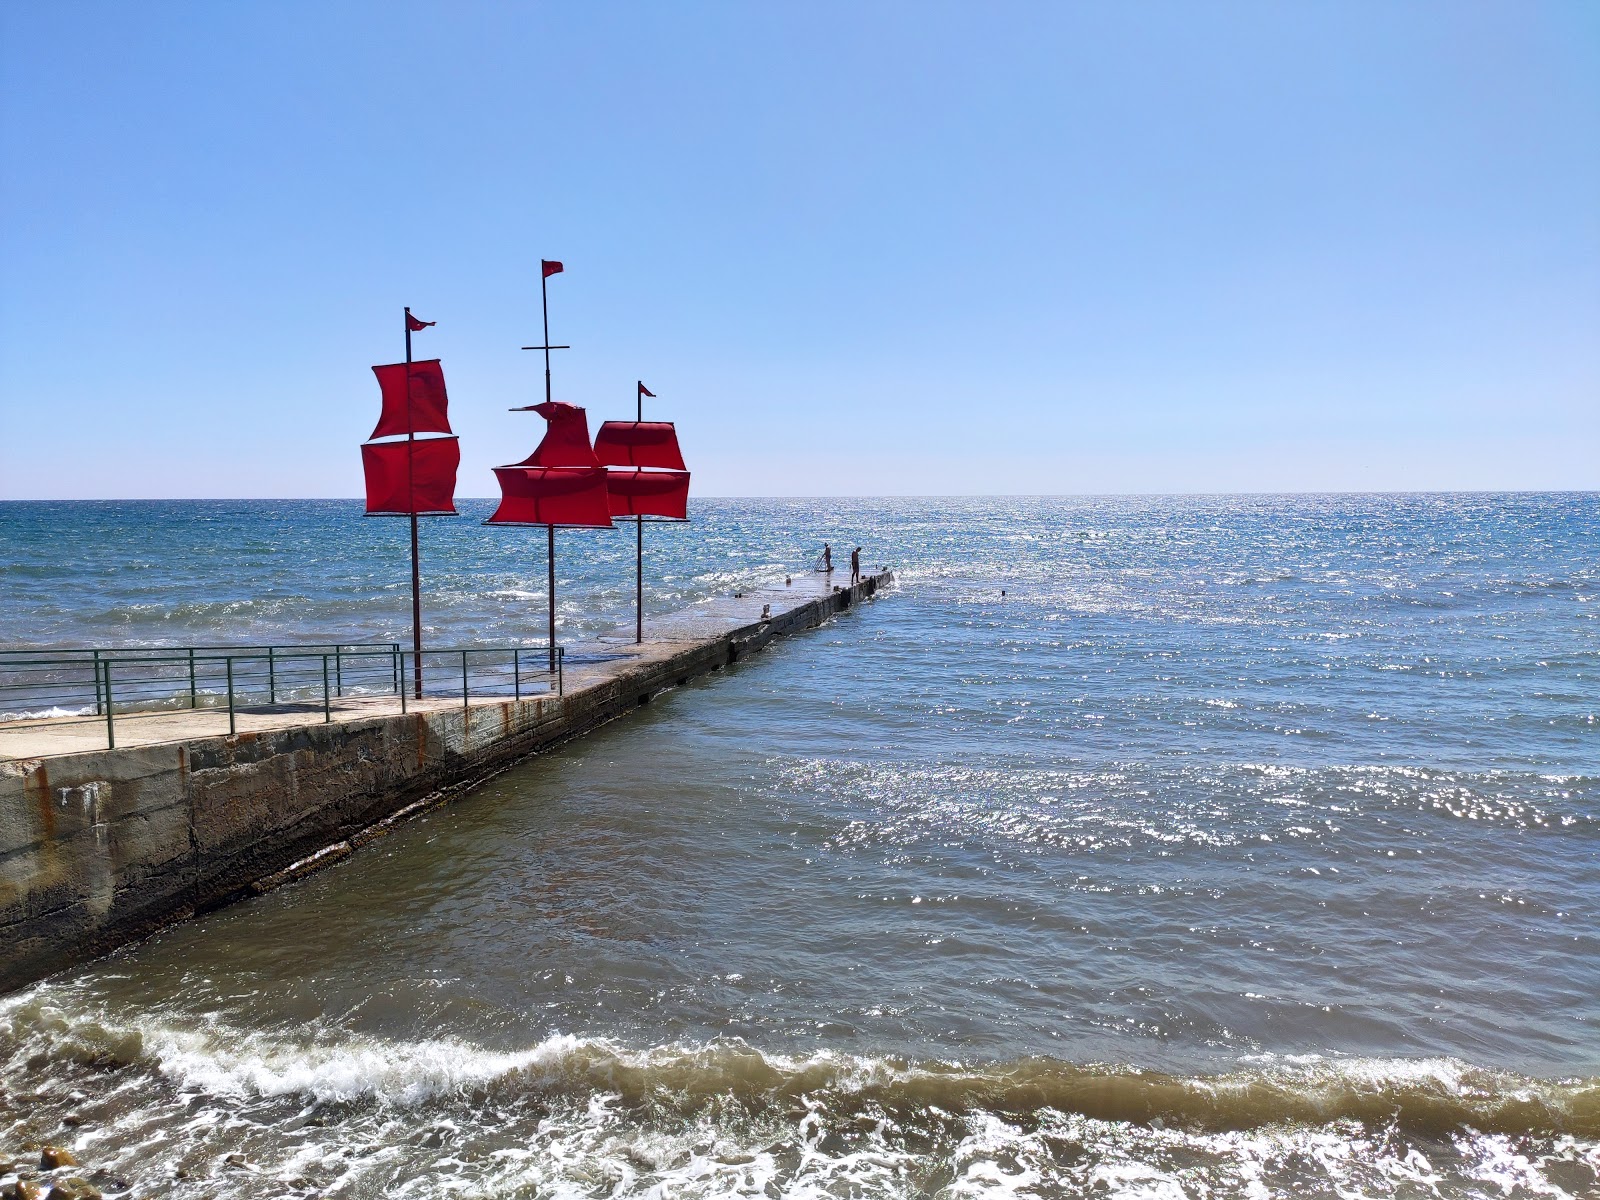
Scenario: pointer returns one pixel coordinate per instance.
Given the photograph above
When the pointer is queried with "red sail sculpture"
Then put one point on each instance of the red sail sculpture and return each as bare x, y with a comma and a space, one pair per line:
414, 477
414, 399
660, 494
411, 477
552, 496
639, 444
647, 481
566, 439
560, 483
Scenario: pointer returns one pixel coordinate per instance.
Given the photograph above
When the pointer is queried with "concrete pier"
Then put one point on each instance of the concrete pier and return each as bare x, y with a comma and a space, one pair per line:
100, 847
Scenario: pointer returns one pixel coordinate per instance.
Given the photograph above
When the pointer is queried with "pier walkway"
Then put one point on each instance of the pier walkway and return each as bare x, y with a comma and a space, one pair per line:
100, 846
585, 664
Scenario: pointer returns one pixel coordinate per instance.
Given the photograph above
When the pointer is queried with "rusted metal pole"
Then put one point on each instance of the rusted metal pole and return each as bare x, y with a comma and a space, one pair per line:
550, 556
411, 502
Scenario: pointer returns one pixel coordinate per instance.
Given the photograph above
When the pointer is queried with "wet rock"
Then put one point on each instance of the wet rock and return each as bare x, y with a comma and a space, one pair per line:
237, 1160
74, 1189
51, 1157
22, 1189
73, 1120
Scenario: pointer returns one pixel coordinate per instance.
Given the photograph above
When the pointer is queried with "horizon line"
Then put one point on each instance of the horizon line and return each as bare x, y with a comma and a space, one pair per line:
1554, 491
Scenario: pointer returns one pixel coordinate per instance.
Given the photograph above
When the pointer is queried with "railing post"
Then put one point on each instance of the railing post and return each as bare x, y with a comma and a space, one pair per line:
327, 711
463, 679
191, 678
516, 674
232, 728
338, 669
272, 678
111, 729
98, 706
400, 658
561, 662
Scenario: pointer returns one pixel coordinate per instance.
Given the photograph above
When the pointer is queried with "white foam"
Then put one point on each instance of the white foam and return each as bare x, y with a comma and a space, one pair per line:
401, 1073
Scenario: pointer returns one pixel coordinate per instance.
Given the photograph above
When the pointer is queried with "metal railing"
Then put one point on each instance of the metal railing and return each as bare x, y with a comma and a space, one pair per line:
73, 687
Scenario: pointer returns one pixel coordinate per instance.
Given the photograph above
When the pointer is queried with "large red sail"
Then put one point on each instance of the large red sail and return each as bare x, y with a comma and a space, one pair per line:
637, 493
414, 399
411, 477
552, 496
639, 444
566, 439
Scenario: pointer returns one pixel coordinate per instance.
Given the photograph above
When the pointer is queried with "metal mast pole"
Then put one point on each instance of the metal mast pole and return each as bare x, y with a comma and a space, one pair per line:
550, 559
550, 544
411, 502
638, 562
544, 297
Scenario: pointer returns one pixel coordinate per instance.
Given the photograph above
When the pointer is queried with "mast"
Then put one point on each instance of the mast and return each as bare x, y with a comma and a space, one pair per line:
412, 476
638, 561
544, 299
547, 268
550, 530
646, 478
411, 487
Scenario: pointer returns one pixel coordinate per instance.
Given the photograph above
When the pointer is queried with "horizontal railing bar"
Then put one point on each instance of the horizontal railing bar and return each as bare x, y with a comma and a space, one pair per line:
250, 648
43, 663
86, 687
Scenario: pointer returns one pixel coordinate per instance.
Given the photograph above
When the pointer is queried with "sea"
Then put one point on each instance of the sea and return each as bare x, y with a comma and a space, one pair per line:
1159, 847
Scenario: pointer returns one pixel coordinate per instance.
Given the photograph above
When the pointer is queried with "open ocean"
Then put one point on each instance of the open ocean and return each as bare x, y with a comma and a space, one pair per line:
1248, 847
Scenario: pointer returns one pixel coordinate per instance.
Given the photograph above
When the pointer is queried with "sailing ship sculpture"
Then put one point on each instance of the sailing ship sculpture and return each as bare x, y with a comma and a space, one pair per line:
646, 480
632, 469
412, 477
562, 482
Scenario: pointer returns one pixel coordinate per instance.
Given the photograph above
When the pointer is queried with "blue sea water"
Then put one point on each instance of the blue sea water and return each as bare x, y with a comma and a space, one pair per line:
1243, 845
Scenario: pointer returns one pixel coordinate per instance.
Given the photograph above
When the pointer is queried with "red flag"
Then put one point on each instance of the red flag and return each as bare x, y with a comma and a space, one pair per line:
416, 326
644, 391
550, 268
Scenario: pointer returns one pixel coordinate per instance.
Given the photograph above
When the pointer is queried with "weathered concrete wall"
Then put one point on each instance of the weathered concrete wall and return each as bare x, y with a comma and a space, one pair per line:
98, 849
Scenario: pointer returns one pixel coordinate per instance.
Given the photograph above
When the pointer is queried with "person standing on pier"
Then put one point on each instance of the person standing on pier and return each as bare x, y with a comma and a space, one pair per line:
855, 566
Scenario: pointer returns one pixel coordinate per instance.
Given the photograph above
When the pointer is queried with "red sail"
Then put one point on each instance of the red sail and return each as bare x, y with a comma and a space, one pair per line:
639, 444
552, 496
649, 494
566, 441
406, 477
428, 409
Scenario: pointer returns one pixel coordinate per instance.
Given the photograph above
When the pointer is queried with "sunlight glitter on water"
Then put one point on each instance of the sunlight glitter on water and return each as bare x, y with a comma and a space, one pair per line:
1110, 886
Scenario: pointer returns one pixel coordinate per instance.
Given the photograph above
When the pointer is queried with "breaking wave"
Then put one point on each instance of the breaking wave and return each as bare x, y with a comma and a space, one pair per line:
1432, 1096
574, 1113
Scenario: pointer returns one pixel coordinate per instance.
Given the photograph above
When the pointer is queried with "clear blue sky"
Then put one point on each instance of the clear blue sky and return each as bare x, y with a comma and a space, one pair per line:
857, 248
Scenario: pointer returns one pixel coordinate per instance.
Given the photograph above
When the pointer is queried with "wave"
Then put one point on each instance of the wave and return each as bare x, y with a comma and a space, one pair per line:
1435, 1097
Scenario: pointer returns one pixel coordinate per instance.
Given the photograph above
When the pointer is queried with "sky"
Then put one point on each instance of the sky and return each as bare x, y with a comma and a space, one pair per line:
860, 248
